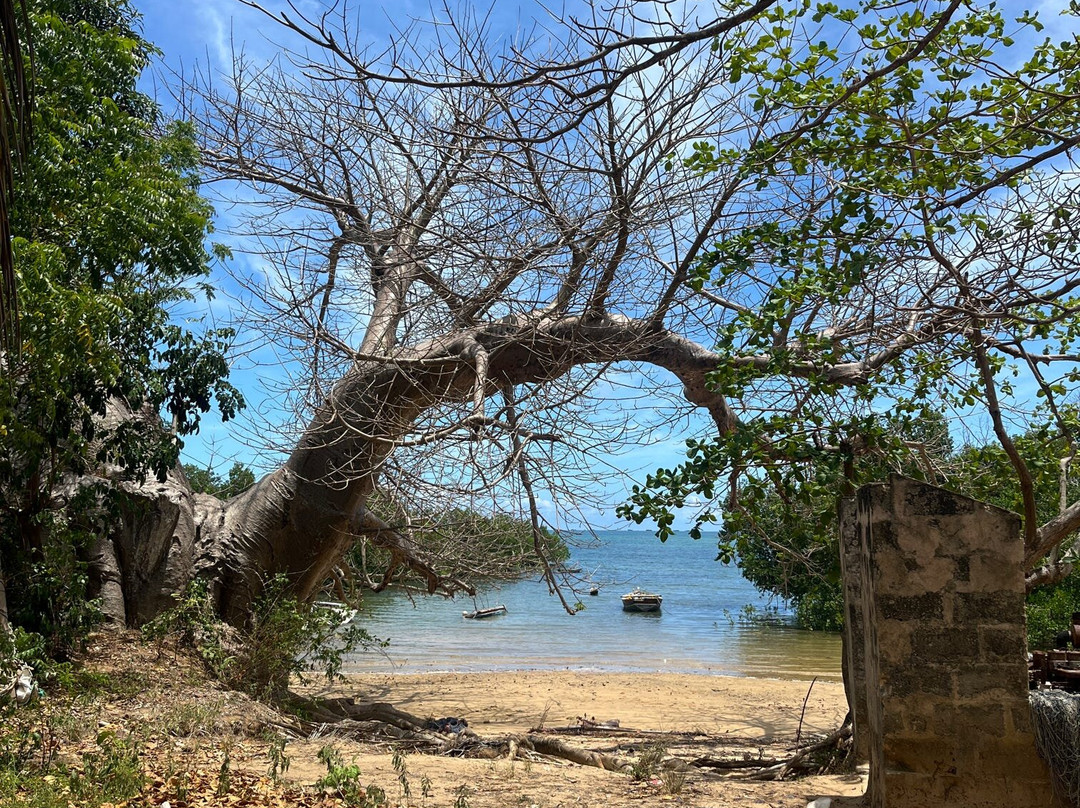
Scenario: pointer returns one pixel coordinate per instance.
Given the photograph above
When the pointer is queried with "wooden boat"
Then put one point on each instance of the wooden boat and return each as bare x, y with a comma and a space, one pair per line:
479, 614
641, 601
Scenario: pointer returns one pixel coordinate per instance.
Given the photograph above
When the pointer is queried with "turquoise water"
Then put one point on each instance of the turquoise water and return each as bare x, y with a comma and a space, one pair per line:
699, 630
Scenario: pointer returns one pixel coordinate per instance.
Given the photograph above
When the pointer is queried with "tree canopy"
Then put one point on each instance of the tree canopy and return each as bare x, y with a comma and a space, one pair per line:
109, 231
813, 215
800, 218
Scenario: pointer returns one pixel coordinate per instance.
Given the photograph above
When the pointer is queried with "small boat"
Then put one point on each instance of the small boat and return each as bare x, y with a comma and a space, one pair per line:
479, 614
641, 601
341, 611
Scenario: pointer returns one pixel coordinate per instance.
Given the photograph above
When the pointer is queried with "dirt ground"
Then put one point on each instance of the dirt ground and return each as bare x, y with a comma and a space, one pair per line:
191, 733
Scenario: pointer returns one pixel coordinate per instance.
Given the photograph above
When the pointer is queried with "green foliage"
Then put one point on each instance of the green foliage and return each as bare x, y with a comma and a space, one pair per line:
31, 777
343, 781
110, 774
48, 599
464, 542
1050, 610
109, 232
282, 638
275, 751
648, 762
205, 481
902, 187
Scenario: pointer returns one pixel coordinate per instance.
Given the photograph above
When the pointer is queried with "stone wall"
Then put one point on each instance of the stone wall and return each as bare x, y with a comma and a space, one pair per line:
934, 591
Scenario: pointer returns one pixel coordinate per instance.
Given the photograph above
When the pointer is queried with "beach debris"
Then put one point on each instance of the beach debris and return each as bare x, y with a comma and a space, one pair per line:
586, 722
21, 688
450, 725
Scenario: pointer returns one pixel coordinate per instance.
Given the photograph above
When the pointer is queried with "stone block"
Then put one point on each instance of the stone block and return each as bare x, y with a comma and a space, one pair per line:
954, 644
970, 724
999, 681
989, 573
919, 753
918, 681
1001, 606
1001, 644
927, 606
931, 501
1016, 757
1021, 718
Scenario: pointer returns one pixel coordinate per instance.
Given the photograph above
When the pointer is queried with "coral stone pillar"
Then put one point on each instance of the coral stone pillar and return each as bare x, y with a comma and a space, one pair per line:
943, 633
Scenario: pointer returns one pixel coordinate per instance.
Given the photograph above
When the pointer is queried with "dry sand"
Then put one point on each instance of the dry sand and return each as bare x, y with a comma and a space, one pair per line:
733, 717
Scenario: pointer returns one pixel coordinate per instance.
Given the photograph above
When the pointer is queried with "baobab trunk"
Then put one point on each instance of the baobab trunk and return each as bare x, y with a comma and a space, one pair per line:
301, 518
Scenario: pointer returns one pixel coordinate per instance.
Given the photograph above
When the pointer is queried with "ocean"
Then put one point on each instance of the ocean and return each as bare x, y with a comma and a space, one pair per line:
702, 627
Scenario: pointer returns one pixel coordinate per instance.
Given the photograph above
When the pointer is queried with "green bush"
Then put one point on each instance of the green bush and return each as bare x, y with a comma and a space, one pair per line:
282, 638
1050, 610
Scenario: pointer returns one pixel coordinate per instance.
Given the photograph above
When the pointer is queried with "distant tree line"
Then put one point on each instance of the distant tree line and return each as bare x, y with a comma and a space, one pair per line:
782, 532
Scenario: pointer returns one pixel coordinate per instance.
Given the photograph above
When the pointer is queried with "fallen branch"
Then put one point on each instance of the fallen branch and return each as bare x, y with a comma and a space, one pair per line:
742, 763
599, 730
781, 769
584, 757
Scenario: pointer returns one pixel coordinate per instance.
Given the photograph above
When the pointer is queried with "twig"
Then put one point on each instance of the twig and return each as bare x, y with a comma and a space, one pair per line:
802, 715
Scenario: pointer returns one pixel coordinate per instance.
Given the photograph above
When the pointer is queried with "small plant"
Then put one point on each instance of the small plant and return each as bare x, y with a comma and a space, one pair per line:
275, 751
26, 739
225, 773
187, 719
344, 781
282, 638
672, 781
461, 797
398, 762
648, 762
111, 775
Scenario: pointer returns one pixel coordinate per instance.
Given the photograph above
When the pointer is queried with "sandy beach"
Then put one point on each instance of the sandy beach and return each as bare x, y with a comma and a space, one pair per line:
714, 716
518, 701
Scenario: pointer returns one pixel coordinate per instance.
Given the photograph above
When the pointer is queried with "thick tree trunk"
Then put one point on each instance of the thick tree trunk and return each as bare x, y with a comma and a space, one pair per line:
301, 518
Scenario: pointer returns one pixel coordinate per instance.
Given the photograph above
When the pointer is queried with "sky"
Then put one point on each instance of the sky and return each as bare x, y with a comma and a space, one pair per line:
203, 34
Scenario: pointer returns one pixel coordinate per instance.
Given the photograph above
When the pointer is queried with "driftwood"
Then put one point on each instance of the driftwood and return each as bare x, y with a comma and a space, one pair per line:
584, 757
600, 730
742, 763
379, 720
798, 761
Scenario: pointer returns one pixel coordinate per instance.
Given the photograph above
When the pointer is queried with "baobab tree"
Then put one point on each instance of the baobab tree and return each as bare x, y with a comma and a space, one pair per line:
456, 244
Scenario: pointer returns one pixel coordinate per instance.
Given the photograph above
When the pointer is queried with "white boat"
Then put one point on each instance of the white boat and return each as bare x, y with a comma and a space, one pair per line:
641, 601
479, 614
341, 611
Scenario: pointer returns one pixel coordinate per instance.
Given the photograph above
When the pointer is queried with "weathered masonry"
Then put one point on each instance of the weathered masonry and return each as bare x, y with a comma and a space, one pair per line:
937, 671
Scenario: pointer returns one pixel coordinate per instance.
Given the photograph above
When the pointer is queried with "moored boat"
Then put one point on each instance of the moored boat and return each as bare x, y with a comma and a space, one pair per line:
482, 613
641, 601
341, 611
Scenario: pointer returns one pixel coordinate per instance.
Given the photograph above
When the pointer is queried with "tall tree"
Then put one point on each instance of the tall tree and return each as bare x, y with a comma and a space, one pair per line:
458, 244
109, 233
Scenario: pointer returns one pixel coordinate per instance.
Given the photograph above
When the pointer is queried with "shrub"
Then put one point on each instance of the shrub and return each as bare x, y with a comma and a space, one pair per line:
282, 638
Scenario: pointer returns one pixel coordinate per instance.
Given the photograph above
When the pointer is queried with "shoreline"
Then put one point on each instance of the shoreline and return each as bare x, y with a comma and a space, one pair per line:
506, 702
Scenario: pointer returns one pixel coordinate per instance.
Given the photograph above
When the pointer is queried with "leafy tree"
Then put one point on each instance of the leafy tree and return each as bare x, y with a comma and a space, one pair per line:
917, 260
109, 231
204, 481
781, 528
